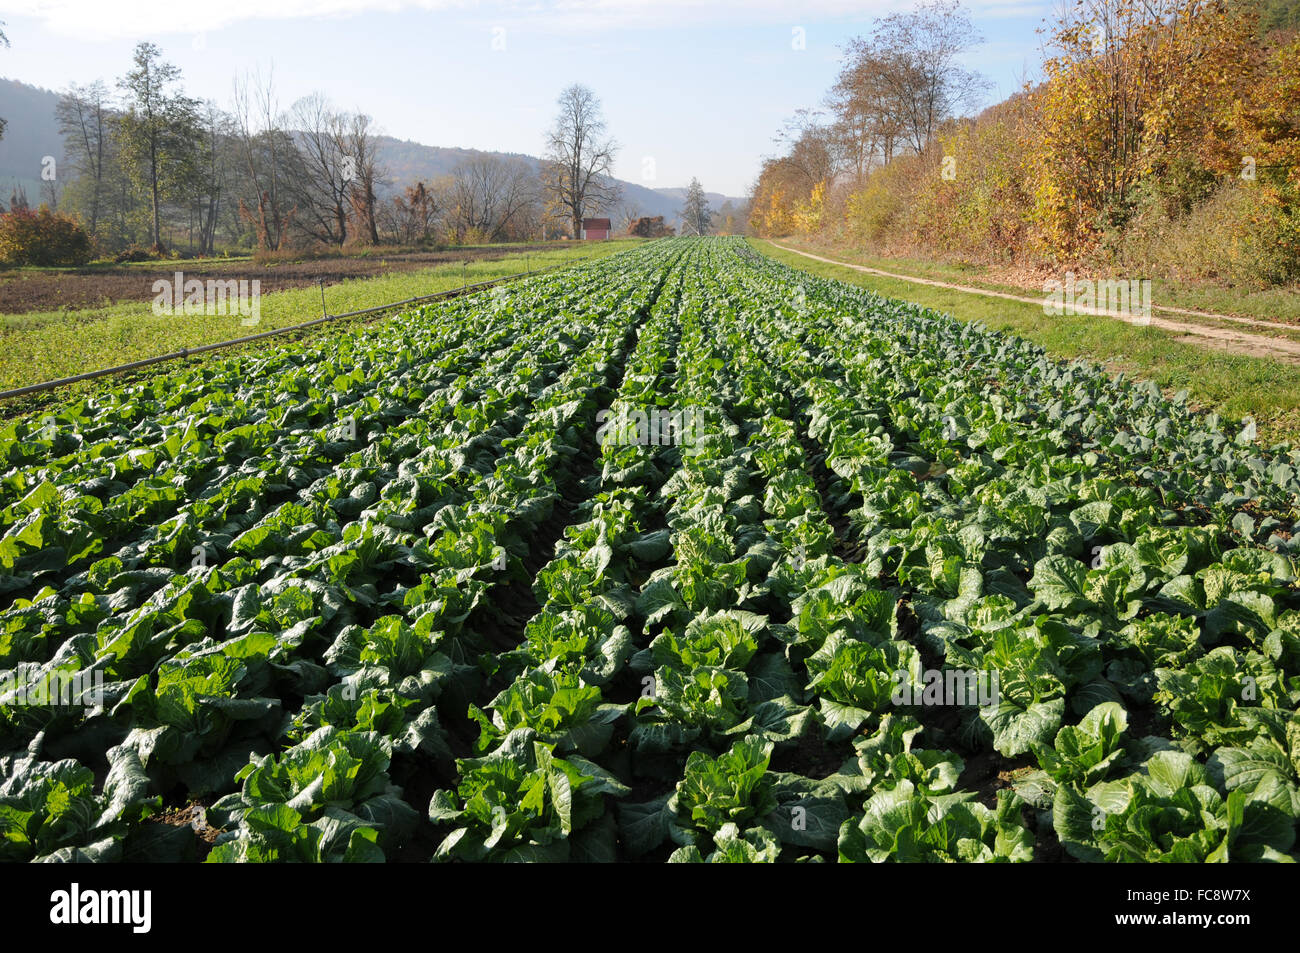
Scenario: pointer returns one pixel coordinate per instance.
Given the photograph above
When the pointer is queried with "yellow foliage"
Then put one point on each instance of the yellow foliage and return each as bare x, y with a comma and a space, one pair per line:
807, 214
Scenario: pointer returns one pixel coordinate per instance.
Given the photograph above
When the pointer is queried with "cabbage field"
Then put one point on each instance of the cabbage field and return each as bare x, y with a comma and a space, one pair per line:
679, 555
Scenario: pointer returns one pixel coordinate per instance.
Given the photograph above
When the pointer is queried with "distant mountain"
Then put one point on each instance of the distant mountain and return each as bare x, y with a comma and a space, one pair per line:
410, 162
33, 133
715, 199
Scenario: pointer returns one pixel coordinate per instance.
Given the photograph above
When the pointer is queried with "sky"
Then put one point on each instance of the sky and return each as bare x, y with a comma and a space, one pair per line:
688, 88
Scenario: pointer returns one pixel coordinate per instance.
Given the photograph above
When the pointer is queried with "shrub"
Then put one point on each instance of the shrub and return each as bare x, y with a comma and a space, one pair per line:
42, 238
134, 253
1244, 234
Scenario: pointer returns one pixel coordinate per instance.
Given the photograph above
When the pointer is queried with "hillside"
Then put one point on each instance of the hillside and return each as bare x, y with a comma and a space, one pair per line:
413, 161
716, 199
31, 134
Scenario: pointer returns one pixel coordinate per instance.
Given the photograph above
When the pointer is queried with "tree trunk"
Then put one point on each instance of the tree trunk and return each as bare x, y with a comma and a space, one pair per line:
153, 188
99, 179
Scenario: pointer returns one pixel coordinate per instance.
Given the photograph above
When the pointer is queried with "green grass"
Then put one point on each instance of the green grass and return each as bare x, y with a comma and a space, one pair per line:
41, 346
1271, 304
1233, 385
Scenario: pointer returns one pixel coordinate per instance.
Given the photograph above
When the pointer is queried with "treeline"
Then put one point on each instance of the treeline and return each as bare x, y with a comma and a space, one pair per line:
155, 170
1164, 136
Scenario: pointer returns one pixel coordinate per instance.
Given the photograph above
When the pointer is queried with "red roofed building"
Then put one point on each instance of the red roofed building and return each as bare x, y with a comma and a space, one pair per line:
595, 229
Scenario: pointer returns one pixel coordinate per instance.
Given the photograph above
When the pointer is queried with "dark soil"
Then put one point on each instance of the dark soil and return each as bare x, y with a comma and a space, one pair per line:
812, 757
193, 816
988, 772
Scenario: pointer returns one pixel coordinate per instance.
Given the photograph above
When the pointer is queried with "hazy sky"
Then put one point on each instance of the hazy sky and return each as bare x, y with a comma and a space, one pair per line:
689, 88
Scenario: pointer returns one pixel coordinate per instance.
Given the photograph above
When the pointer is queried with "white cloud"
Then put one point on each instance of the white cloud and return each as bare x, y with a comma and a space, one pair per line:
132, 18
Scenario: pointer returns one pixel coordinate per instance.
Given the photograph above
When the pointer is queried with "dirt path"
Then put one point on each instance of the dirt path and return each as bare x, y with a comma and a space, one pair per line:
1237, 342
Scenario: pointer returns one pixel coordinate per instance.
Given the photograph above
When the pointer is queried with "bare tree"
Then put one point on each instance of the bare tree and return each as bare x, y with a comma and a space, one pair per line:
4, 41
214, 159
900, 84
264, 146
83, 114
488, 192
576, 168
628, 214
916, 54
323, 194
50, 193
358, 145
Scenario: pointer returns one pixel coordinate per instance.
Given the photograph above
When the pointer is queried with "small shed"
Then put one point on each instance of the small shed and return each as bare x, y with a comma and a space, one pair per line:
595, 229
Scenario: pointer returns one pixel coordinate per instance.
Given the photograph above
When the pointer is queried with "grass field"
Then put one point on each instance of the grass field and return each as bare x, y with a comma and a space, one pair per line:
42, 346
1232, 385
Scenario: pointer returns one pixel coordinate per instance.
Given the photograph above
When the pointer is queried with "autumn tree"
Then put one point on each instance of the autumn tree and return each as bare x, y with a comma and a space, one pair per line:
868, 118
415, 214
1130, 92
781, 185
811, 156
1266, 118
650, 227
